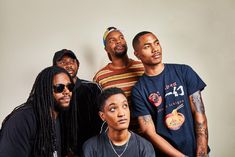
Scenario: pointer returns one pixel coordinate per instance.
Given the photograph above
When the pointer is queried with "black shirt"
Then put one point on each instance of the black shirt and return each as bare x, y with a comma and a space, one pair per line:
18, 134
89, 122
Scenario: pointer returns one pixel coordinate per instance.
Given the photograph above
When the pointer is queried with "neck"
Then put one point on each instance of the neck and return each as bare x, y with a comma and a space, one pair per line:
119, 63
75, 79
153, 70
119, 137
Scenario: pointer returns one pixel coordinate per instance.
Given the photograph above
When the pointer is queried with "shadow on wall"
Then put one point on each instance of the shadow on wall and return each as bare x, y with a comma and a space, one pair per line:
89, 65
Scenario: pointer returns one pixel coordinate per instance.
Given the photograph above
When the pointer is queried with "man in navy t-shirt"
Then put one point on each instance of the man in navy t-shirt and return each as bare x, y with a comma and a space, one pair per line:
167, 101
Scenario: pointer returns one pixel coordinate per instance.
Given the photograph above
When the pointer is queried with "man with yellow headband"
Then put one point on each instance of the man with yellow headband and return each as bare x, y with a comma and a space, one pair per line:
121, 72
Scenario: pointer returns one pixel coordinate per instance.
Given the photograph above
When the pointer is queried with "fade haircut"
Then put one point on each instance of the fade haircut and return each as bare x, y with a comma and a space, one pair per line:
41, 99
106, 94
136, 41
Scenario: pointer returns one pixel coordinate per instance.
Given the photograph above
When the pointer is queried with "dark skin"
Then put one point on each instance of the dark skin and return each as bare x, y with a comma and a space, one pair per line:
200, 124
149, 51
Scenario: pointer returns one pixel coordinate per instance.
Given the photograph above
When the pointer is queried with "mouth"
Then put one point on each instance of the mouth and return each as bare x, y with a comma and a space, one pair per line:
66, 98
156, 55
122, 121
120, 47
70, 71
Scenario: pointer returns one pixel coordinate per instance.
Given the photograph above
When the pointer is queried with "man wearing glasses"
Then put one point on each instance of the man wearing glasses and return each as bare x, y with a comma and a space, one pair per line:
83, 114
34, 128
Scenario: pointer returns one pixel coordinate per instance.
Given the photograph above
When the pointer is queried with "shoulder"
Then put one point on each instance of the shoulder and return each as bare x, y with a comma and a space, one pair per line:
177, 66
91, 141
136, 63
21, 114
23, 121
101, 72
91, 144
90, 85
145, 147
141, 82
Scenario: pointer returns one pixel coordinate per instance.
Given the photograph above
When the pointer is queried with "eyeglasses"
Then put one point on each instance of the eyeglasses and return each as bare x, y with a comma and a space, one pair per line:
59, 88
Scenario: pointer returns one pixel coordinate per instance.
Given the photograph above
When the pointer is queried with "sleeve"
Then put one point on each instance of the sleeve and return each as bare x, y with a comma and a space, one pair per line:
89, 148
146, 148
193, 81
15, 137
139, 104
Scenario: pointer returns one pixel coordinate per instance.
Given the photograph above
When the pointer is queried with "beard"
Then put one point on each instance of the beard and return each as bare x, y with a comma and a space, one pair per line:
58, 108
121, 53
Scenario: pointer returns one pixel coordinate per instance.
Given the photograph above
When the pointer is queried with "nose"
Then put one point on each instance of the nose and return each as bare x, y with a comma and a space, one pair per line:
118, 41
66, 90
154, 48
121, 113
68, 65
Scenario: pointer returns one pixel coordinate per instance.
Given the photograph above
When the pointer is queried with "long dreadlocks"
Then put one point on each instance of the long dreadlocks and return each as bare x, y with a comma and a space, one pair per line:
42, 101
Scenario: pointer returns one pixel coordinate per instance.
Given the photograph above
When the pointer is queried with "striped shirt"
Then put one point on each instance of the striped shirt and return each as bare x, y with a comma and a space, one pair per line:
122, 78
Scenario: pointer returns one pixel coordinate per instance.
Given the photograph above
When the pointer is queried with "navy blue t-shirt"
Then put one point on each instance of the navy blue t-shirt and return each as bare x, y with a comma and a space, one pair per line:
166, 98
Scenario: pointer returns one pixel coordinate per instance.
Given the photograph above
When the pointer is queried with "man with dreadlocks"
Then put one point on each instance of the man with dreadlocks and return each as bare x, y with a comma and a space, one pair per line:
83, 120
33, 128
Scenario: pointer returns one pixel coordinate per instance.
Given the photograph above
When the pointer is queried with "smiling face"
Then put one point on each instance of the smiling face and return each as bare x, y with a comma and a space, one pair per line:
149, 50
116, 112
116, 45
62, 90
70, 64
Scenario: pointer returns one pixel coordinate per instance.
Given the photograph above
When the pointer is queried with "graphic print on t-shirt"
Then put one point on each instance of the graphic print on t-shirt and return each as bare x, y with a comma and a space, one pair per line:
175, 119
155, 99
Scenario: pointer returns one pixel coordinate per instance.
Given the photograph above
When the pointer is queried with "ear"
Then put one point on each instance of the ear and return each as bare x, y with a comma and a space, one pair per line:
137, 54
102, 116
78, 63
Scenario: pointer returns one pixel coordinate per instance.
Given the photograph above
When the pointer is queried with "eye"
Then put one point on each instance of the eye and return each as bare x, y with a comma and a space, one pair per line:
125, 106
61, 62
146, 47
72, 61
156, 43
122, 37
112, 109
111, 41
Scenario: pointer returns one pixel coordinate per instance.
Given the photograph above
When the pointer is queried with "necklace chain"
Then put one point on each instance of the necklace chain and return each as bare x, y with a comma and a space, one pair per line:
120, 155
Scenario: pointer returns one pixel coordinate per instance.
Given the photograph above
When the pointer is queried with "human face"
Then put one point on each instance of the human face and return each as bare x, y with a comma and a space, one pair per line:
116, 112
69, 64
149, 50
116, 44
62, 98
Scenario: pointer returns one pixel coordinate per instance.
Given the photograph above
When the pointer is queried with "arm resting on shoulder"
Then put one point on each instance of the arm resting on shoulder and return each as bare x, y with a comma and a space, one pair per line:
200, 123
148, 129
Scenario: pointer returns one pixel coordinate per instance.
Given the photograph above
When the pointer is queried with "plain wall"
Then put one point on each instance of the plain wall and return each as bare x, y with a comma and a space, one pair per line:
198, 33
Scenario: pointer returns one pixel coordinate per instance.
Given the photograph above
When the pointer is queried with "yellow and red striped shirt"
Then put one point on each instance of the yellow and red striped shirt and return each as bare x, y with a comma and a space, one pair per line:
122, 78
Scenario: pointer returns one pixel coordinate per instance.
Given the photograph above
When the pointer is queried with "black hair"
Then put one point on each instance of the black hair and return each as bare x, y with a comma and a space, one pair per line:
135, 40
42, 101
106, 94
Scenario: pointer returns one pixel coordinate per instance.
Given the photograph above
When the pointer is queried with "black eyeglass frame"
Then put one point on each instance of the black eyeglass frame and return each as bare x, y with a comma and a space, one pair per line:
59, 88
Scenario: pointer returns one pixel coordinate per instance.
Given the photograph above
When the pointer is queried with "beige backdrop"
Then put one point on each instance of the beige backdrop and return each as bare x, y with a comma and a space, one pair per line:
199, 33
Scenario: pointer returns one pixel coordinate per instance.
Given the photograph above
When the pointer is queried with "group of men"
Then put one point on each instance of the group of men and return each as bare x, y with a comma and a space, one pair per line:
161, 102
